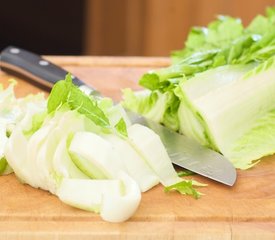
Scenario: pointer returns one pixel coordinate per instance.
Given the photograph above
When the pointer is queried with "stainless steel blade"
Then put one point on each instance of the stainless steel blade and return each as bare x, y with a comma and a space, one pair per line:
188, 154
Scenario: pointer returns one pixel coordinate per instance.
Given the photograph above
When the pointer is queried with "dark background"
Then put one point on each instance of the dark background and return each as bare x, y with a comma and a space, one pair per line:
112, 27
43, 26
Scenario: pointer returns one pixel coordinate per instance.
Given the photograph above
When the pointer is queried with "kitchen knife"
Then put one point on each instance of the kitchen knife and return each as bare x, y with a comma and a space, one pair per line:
183, 151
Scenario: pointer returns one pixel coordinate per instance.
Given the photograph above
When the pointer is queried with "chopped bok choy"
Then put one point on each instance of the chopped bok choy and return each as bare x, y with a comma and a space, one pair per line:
83, 150
220, 89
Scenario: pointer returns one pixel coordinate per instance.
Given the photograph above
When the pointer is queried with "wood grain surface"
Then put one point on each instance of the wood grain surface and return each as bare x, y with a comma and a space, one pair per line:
244, 211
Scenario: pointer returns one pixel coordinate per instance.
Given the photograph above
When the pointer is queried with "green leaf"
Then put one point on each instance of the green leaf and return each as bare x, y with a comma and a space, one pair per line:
170, 117
185, 173
150, 81
259, 25
196, 37
140, 102
224, 30
185, 188
3, 165
259, 141
237, 48
65, 92
37, 121
198, 184
59, 93
121, 128
87, 106
268, 64
200, 56
270, 12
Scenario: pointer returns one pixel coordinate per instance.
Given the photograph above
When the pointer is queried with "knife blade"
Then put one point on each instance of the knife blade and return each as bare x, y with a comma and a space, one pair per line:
183, 151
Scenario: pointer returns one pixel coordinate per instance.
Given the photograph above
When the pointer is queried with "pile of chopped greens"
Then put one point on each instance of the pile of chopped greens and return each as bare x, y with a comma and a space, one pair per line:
84, 150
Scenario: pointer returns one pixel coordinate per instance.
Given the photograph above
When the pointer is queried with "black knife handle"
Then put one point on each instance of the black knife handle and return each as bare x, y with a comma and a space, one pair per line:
32, 66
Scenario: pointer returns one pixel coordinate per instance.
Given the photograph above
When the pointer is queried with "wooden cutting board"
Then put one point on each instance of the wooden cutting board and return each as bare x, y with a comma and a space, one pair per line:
245, 211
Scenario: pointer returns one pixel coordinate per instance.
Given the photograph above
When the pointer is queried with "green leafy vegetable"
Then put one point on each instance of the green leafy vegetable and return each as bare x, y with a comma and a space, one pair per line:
185, 173
3, 165
219, 90
150, 81
122, 128
85, 105
65, 91
185, 187
102, 112
59, 93
157, 106
258, 141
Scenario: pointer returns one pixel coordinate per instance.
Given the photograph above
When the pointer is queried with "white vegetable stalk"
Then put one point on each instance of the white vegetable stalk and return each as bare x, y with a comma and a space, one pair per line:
95, 155
16, 155
116, 199
34, 145
61, 126
62, 163
61, 152
134, 163
3, 138
149, 145
67, 151
13, 111
232, 108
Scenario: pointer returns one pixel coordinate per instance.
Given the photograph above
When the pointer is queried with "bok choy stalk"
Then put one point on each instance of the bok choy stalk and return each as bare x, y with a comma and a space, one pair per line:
13, 111
219, 89
86, 151
235, 118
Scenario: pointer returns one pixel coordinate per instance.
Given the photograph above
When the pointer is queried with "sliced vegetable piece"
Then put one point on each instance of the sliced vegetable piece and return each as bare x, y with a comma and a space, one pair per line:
16, 155
121, 207
87, 194
3, 141
149, 145
115, 199
94, 155
63, 165
62, 126
134, 163
35, 143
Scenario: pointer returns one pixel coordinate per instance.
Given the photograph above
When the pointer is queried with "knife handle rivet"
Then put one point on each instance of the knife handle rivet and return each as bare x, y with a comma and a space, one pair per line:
43, 63
14, 50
